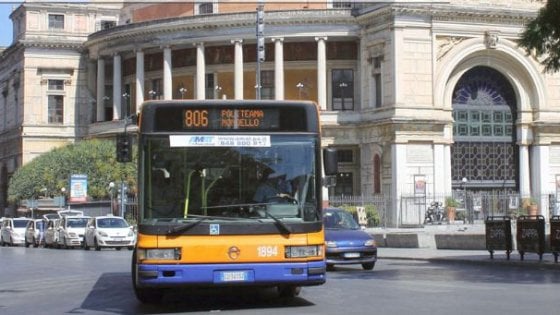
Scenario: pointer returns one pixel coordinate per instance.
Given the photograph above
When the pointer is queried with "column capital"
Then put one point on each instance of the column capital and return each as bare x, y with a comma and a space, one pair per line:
321, 38
198, 44
165, 46
274, 39
137, 50
238, 40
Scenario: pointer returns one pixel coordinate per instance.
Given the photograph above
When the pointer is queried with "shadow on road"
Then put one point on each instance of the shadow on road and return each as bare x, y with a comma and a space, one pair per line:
113, 293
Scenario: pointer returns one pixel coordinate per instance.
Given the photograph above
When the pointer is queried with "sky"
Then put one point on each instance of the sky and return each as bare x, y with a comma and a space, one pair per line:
5, 22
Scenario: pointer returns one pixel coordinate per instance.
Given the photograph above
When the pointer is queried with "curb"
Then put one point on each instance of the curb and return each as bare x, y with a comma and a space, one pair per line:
512, 262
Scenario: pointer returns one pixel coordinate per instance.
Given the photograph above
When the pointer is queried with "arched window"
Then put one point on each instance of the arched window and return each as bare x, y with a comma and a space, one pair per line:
484, 149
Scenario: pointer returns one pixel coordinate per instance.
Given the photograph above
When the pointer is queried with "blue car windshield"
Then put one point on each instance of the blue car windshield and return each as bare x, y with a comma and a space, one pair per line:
340, 220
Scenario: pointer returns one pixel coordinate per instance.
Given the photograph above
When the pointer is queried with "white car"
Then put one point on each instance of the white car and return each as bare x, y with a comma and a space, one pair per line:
13, 231
51, 233
72, 230
109, 231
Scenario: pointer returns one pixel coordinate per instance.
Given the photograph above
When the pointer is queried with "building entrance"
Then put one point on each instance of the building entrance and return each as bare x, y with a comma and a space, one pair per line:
484, 156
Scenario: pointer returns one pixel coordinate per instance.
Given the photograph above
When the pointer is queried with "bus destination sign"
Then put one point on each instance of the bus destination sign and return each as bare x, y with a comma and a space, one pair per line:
227, 118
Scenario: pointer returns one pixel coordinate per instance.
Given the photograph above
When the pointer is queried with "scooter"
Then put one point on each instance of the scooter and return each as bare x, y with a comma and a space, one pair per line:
434, 213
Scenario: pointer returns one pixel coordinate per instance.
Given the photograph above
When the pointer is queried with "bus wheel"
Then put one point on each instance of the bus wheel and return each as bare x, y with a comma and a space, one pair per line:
289, 291
144, 295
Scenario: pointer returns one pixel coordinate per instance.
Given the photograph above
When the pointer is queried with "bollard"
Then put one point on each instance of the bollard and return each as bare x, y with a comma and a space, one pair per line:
530, 235
498, 234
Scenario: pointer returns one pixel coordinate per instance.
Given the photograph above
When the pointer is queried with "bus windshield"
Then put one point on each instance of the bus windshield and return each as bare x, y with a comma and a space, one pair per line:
230, 176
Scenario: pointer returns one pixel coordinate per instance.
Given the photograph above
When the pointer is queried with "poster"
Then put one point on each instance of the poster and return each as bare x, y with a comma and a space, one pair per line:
78, 188
419, 185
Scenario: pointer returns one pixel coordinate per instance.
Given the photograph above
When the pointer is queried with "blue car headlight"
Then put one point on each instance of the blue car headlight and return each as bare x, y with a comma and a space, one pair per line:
369, 243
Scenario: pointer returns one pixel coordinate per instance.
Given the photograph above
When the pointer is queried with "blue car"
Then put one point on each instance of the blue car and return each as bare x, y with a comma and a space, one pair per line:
346, 243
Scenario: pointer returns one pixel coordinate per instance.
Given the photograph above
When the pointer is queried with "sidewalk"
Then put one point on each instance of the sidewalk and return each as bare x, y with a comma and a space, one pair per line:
468, 257
455, 243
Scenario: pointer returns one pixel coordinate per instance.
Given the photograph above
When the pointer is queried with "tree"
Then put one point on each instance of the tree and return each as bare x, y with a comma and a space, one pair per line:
542, 36
48, 173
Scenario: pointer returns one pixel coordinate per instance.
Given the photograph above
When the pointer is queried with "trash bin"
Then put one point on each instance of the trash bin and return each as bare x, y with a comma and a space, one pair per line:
498, 234
530, 235
555, 236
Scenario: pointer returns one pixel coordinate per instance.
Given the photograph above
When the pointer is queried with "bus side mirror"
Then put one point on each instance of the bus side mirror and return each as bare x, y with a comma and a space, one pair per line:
330, 161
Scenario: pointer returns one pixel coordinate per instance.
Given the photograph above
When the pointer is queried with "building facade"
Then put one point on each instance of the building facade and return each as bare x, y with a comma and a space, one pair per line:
422, 101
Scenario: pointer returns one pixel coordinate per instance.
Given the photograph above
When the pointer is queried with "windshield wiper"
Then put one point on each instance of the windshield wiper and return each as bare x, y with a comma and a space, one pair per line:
281, 225
186, 227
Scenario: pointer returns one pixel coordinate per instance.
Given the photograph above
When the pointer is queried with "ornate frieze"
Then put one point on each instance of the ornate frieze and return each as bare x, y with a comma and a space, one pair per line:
446, 43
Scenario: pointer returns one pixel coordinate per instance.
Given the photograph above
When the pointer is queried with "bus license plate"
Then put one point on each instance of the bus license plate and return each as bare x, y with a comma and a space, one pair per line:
231, 276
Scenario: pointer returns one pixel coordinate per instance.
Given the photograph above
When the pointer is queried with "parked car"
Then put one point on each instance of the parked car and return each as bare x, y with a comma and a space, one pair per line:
346, 243
51, 233
109, 231
12, 231
35, 232
72, 230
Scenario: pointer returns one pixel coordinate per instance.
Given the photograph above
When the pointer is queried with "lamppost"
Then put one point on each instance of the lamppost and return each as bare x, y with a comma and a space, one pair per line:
300, 89
126, 96
62, 197
218, 91
465, 180
182, 90
112, 195
152, 94
342, 86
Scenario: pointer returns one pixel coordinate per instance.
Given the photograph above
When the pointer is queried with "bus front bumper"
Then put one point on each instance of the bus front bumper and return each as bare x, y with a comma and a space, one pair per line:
300, 274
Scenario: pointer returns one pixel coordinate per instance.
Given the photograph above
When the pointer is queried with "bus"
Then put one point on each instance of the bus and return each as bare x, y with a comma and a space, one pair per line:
229, 194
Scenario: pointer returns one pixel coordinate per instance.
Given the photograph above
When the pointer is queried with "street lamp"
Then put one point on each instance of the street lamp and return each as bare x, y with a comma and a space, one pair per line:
126, 96
218, 91
62, 197
342, 86
112, 195
182, 90
300, 88
465, 180
152, 94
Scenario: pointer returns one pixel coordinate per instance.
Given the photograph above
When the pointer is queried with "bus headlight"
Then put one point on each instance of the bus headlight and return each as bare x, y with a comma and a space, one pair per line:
304, 251
159, 254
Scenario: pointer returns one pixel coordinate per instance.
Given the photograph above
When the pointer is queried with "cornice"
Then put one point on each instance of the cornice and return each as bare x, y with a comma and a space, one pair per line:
141, 32
72, 45
447, 13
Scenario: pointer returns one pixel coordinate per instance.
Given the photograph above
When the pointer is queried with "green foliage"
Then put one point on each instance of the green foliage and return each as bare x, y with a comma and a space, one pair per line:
45, 175
542, 36
451, 202
371, 214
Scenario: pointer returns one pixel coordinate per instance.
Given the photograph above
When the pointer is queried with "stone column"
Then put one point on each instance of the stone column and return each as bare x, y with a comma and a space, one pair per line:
238, 69
200, 72
117, 88
139, 79
321, 72
524, 171
167, 76
278, 68
100, 113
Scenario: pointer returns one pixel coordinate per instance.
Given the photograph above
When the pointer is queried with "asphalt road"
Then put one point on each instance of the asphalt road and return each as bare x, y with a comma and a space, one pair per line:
50, 281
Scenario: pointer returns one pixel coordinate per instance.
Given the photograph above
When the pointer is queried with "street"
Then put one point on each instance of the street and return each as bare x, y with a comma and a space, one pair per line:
50, 281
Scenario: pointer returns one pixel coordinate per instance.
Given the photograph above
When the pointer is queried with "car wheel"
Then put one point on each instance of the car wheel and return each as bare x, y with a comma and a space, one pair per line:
288, 291
130, 247
144, 295
96, 244
368, 266
330, 267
